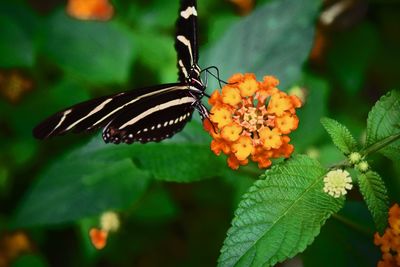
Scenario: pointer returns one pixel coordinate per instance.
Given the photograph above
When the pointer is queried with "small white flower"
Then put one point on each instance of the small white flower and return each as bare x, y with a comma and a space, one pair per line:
109, 221
337, 182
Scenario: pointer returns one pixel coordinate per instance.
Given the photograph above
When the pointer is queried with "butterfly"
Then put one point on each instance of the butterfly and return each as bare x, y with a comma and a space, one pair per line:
142, 115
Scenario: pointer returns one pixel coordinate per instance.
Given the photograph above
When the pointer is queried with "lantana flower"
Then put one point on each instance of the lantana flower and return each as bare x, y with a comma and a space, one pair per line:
90, 9
14, 85
251, 120
337, 182
390, 241
109, 222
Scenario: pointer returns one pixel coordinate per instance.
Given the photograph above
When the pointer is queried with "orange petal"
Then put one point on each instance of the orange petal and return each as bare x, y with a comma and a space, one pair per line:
98, 238
234, 163
243, 147
248, 87
271, 139
287, 123
279, 103
221, 115
231, 132
236, 78
215, 98
231, 95
270, 82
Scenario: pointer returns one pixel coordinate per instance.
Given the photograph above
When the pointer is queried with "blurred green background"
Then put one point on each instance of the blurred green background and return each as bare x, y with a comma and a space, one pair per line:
343, 54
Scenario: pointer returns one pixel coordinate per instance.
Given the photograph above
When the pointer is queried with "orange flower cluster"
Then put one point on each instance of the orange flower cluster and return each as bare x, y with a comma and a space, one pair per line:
251, 119
90, 9
390, 241
244, 6
14, 85
12, 245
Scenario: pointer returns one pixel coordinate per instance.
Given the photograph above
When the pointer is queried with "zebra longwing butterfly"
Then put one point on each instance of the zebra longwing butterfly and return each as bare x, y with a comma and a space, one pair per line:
144, 115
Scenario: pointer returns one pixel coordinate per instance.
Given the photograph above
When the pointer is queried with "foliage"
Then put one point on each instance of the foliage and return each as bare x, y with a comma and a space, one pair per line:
340, 135
175, 199
273, 222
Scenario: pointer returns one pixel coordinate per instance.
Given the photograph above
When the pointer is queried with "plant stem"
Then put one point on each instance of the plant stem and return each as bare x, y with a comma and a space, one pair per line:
340, 165
353, 225
380, 144
251, 171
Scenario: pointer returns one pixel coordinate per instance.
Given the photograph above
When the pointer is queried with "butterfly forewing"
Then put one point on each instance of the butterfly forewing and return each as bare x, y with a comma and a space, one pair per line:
186, 38
152, 120
98, 112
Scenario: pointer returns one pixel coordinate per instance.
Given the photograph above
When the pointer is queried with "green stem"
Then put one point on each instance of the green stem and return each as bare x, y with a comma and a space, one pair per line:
353, 225
380, 144
251, 171
340, 165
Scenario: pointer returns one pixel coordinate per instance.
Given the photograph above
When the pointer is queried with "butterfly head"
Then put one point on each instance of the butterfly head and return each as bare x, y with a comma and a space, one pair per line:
193, 79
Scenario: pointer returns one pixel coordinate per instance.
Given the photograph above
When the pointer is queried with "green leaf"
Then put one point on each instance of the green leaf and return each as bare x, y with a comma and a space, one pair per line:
180, 159
375, 195
162, 58
177, 162
280, 215
17, 50
18, 26
340, 135
157, 206
269, 41
79, 186
98, 52
350, 56
30, 260
383, 122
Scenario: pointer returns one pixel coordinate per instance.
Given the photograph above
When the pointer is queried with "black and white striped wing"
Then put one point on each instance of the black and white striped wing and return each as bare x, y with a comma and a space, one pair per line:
99, 112
186, 38
153, 120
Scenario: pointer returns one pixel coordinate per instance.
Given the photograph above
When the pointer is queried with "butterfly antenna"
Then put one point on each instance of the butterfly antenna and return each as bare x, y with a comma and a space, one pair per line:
216, 76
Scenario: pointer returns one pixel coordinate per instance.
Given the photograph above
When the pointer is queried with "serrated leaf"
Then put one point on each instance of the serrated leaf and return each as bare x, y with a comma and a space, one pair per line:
280, 215
275, 40
375, 195
98, 52
383, 122
340, 135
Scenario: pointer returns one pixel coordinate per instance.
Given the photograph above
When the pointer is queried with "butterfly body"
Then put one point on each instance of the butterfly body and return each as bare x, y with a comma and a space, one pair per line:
144, 115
